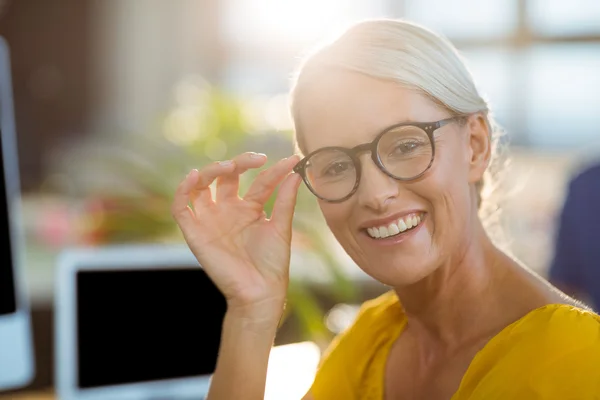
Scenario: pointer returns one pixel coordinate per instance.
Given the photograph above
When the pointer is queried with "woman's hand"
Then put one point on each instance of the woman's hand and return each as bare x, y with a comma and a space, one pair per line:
245, 254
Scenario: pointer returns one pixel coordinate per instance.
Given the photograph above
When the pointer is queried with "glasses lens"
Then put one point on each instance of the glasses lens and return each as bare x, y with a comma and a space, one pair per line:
331, 174
405, 152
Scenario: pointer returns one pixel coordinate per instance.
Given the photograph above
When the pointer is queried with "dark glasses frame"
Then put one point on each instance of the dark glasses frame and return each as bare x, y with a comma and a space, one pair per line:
428, 127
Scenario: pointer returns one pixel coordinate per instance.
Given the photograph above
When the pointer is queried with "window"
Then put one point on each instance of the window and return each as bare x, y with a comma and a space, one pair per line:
465, 19
563, 95
564, 18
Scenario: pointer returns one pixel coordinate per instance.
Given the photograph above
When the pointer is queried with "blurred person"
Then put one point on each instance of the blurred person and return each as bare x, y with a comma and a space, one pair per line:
575, 267
396, 141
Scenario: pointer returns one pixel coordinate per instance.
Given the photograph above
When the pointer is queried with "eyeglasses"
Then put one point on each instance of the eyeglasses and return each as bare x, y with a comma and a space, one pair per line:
403, 151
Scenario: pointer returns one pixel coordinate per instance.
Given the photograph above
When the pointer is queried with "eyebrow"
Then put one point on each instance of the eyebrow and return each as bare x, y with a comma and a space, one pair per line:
404, 122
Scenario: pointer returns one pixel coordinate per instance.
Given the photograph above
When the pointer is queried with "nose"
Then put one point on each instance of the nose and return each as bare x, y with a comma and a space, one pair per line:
376, 190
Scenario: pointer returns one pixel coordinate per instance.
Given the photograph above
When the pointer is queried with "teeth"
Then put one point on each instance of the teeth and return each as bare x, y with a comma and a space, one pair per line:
374, 232
395, 227
402, 225
383, 232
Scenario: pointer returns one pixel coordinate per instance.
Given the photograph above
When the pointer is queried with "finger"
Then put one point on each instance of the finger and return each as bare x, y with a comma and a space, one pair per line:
209, 173
229, 185
180, 208
283, 209
201, 194
266, 182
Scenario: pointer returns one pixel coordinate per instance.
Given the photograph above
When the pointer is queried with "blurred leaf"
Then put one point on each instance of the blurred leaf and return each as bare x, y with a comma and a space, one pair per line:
308, 312
343, 288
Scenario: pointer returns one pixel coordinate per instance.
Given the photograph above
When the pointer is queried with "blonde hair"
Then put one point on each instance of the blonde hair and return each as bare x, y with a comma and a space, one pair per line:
410, 55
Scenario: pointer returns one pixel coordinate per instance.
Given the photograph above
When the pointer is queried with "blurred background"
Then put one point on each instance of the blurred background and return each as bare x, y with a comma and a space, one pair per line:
116, 100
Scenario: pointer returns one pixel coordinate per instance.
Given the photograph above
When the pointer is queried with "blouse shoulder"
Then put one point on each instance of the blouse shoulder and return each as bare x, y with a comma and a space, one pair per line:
557, 327
551, 353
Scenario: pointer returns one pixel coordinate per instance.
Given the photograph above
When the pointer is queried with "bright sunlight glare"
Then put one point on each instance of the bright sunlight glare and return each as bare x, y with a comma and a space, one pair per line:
292, 368
295, 21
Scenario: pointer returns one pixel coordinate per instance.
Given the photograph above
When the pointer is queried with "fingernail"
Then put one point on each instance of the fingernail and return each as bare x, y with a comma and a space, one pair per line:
257, 155
226, 163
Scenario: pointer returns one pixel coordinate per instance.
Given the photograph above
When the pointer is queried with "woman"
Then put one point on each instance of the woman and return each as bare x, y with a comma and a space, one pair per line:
397, 141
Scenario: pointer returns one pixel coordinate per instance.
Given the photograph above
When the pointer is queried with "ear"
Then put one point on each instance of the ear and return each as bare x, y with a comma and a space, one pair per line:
480, 146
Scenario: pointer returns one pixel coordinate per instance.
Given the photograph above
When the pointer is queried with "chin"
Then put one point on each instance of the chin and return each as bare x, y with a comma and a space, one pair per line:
398, 274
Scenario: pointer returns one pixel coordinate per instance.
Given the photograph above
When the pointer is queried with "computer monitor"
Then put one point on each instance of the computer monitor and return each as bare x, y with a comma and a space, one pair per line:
135, 322
16, 347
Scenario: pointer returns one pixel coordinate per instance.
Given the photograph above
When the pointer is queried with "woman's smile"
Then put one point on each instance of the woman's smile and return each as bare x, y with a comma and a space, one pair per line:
394, 229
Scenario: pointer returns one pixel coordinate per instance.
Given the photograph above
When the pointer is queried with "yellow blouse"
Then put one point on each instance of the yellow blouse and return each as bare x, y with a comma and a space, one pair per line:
553, 352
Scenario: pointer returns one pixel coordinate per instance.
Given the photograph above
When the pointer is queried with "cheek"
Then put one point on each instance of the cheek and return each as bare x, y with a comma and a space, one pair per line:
450, 172
447, 186
447, 189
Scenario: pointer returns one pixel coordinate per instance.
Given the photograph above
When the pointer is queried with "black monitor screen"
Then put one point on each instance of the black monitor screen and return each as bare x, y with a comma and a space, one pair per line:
7, 285
146, 325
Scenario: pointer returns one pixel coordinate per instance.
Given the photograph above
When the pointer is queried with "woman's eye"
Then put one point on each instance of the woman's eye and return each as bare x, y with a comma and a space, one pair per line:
406, 147
337, 168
